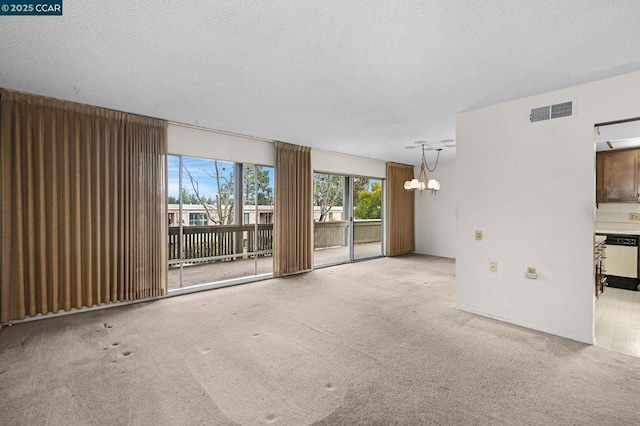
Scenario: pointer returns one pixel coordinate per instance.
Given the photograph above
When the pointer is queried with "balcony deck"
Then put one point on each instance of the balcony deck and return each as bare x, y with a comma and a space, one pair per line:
219, 271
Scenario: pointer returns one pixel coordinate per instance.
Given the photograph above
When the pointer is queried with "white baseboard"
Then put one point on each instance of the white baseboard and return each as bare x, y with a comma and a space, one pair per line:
579, 338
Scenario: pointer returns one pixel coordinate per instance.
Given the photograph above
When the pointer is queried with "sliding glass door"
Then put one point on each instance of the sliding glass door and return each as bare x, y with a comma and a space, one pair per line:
220, 221
331, 220
367, 218
257, 216
348, 217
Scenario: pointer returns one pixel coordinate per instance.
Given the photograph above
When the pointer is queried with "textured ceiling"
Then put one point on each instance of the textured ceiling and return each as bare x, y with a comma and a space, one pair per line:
360, 77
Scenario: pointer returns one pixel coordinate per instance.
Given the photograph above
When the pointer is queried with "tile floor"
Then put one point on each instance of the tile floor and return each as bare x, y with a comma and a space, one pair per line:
618, 321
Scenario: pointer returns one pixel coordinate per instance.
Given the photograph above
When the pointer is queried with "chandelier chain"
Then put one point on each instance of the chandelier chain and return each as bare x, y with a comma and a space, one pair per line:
422, 182
424, 160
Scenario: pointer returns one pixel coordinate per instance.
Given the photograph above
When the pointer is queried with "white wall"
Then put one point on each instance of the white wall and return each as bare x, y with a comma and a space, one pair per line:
199, 142
531, 189
615, 217
436, 214
332, 162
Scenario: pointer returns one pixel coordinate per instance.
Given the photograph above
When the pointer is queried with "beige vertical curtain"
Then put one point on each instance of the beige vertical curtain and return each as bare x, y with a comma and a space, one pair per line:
293, 210
400, 211
83, 206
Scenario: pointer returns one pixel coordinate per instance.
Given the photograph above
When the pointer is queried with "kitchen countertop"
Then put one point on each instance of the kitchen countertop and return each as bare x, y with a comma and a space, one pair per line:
618, 231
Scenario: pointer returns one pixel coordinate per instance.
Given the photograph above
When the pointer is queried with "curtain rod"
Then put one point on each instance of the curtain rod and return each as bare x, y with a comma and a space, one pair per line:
241, 135
223, 132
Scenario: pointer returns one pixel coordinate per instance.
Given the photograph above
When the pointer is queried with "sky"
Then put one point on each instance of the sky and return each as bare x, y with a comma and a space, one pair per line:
202, 170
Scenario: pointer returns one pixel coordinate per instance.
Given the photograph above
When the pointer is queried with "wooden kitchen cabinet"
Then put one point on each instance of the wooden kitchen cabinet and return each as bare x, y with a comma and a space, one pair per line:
617, 175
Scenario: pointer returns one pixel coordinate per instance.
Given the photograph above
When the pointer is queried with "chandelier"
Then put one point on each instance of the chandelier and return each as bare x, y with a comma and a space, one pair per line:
423, 182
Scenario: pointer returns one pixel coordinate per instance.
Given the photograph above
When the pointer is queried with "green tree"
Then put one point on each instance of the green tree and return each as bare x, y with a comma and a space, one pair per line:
188, 198
360, 184
369, 205
328, 191
265, 192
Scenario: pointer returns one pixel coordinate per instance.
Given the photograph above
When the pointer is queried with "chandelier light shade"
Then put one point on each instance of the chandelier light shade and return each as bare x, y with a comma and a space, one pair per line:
413, 184
423, 182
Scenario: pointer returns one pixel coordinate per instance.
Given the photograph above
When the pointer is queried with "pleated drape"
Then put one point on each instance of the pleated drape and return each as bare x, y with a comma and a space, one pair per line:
400, 210
83, 206
293, 210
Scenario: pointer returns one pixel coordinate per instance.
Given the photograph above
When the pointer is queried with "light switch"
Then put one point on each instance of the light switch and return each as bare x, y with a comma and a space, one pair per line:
478, 235
493, 266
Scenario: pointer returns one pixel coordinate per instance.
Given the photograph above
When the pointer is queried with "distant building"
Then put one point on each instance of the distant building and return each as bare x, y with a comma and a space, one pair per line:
195, 214
333, 215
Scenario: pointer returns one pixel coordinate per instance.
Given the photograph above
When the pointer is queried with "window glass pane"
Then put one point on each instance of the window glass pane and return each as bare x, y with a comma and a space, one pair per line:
173, 277
258, 193
218, 238
331, 225
328, 197
207, 189
215, 271
198, 219
173, 187
367, 217
173, 209
258, 190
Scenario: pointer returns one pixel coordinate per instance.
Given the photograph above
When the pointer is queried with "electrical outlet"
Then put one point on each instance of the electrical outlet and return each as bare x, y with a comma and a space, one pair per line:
634, 216
493, 266
531, 273
478, 235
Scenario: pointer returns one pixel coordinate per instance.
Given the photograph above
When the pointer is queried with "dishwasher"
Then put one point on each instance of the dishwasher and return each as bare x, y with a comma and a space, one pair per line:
621, 261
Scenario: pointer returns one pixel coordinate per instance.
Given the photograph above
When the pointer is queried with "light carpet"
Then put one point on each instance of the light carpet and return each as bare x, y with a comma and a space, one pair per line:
370, 343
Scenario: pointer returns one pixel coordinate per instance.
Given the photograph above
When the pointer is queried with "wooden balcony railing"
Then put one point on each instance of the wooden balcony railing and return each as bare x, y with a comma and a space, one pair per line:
229, 240
335, 233
367, 231
330, 234
219, 240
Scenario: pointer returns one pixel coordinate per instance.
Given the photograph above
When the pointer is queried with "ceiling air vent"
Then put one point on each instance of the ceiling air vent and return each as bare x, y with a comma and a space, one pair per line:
539, 114
549, 112
564, 109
